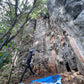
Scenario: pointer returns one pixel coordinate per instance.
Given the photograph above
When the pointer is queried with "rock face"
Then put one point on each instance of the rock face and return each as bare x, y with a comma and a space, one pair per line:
43, 52
66, 20
53, 52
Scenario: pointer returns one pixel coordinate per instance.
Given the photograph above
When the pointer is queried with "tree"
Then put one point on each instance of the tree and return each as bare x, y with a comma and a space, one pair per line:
40, 9
13, 13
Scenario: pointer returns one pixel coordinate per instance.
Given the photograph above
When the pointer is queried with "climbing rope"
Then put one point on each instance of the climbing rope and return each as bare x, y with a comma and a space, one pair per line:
5, 51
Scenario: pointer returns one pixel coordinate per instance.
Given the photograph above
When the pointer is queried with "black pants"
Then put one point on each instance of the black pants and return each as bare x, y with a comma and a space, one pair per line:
27, 66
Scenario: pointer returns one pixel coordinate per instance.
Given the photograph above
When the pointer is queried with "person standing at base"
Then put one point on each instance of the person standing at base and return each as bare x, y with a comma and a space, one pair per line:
29, 57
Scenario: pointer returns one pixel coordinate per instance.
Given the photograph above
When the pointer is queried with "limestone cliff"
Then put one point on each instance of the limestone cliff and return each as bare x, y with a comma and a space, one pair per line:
58, 42
66, 20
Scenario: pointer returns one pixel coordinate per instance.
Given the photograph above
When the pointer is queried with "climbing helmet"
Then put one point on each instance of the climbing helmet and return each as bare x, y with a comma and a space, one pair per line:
31, 51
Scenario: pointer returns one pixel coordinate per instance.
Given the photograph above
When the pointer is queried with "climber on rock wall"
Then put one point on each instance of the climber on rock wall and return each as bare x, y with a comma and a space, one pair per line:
29, 57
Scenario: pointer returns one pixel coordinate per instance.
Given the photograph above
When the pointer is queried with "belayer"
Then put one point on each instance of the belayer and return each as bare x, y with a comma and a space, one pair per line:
29, 57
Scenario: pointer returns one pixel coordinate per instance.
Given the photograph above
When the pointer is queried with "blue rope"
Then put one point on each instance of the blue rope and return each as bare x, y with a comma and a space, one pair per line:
5, 52
3, 43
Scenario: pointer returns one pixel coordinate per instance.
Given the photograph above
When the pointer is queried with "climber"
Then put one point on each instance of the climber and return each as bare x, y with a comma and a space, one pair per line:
27, 65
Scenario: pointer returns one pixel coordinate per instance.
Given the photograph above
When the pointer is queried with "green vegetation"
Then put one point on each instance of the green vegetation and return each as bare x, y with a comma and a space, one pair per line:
40, 9
13, 14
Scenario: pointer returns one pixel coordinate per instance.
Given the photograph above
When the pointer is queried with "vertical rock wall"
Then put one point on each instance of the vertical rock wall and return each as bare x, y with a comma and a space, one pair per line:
66, 19
43, 54
53, 52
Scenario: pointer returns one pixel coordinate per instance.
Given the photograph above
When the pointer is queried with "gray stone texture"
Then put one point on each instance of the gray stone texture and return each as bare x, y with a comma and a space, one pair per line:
42, 60
67, 20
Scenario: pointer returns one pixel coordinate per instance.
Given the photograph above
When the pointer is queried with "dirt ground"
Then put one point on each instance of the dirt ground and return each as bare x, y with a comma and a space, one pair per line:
66, 78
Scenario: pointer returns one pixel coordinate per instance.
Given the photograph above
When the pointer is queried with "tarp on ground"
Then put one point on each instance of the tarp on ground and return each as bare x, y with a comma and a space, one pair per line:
56, 79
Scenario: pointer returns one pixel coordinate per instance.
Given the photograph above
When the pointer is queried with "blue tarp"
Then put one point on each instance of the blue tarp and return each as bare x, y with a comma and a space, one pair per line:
56, 79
